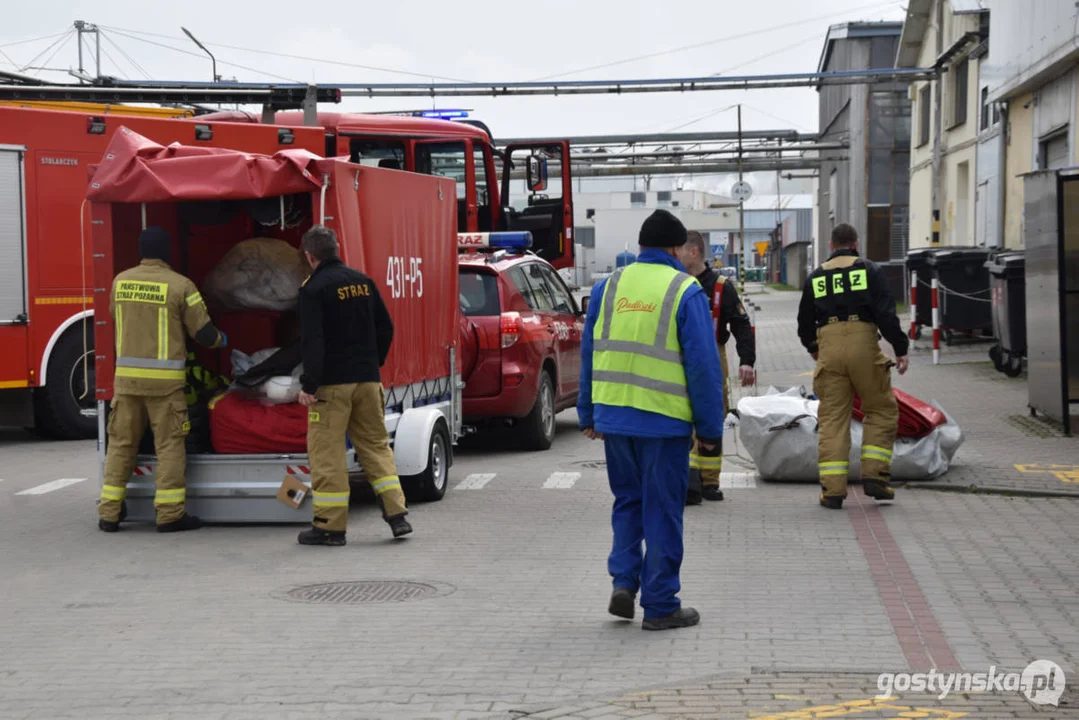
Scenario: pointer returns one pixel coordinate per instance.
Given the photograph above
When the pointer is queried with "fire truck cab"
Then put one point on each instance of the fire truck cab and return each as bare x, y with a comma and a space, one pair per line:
521, 198
46, 294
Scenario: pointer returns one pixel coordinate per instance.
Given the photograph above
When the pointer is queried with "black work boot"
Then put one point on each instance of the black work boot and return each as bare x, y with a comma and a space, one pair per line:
878, 490
680, 618
399, 526
187, 522
832, 502
318, 536
622, 603
108, 525
693, 497
712, 492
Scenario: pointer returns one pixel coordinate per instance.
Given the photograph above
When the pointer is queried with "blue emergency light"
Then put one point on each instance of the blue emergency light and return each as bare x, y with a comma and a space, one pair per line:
445, 114
519, 240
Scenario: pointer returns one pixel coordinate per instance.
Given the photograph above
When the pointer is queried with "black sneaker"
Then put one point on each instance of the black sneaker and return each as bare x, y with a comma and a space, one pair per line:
832, 502
712, 492
622, 603
187, 522
318, 536
107, 525
399, 526
693, 498
680, 618
878, 490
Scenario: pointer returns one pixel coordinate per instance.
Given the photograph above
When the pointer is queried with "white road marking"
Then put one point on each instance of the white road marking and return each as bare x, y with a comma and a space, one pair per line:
738, 480
561, 480
50, 486
476, 481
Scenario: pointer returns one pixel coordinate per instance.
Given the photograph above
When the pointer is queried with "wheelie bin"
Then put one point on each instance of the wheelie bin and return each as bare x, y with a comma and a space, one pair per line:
1007, 280
963, 296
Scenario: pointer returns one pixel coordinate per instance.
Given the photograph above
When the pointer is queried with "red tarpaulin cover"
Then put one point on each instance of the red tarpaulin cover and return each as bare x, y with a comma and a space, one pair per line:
137, 170
916, 418
244, 426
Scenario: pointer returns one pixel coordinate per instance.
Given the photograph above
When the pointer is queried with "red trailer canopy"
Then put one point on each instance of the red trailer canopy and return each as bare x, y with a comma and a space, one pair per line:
137, 170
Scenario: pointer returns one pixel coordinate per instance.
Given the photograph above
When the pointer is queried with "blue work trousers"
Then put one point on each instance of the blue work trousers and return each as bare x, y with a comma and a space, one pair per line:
649, 478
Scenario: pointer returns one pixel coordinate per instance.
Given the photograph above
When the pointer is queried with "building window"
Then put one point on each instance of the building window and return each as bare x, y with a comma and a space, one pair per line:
923, 114
663, 198
1053, 151
637, 199
959, 92
900, 232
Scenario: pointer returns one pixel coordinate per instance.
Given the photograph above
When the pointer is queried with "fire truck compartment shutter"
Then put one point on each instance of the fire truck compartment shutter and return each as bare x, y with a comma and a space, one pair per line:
12, 234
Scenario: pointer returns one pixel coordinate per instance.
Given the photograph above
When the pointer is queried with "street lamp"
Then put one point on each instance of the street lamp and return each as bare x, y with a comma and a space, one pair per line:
212, 58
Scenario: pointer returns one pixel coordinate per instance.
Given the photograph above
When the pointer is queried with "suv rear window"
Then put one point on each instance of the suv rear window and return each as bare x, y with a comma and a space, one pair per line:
479, 293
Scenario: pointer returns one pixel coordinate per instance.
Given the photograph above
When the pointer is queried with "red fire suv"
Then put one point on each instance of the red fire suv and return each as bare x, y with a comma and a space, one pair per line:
521, 337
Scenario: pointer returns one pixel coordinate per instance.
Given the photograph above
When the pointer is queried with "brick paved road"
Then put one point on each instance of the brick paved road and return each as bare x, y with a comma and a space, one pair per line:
801, 607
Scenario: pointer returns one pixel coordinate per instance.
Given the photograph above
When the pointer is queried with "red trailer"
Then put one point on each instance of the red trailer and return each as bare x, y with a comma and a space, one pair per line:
397, 227
46, 328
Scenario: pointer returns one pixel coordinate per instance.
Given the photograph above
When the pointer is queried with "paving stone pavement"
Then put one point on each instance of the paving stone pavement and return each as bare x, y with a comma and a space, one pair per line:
802, 608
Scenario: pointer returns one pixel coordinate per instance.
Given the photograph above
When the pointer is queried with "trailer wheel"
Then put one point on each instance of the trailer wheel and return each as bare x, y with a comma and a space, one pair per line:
65, 408
537, 429
431, 484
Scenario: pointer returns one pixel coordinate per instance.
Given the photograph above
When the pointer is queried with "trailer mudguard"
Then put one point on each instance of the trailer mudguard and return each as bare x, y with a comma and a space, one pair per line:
412, 441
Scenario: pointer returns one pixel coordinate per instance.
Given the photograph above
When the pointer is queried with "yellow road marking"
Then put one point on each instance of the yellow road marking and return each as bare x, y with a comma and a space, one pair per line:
853, 707
1063, 473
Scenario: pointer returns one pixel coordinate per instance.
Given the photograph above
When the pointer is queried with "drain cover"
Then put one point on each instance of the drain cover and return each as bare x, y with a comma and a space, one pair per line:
365, 592
593, 464
1034, 427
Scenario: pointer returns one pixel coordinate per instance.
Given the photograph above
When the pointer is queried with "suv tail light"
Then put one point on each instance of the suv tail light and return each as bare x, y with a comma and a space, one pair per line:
510, 328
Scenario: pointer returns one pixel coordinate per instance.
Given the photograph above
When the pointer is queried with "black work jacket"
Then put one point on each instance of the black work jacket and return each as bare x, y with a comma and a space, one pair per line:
732, 317
345, 326
834, 294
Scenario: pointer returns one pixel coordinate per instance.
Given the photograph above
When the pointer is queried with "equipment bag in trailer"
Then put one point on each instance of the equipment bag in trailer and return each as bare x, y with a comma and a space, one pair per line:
397, 227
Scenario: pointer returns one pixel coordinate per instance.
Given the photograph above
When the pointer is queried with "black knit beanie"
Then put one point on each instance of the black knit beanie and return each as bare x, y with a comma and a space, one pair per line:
662, 229
155, 244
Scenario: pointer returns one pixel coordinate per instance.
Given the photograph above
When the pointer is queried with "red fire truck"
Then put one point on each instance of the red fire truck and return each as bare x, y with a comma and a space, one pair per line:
485, 201
46, 367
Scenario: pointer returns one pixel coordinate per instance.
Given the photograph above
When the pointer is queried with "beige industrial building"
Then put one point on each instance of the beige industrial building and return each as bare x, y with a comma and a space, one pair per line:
1005, 103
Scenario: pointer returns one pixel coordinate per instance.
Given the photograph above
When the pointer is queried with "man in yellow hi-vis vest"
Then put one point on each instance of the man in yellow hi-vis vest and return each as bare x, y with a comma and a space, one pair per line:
650, 374
152, 306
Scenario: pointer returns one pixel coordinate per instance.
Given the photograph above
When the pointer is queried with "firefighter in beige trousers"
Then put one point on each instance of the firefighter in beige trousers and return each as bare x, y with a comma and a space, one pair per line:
346, 336
151, 307
845, 304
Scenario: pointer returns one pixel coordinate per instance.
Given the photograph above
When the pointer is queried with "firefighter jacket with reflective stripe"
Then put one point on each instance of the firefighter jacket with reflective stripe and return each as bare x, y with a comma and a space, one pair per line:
650, 366
848, 287
152, 306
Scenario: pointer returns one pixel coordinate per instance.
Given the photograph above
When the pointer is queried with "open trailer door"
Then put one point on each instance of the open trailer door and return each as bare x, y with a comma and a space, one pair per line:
537, 196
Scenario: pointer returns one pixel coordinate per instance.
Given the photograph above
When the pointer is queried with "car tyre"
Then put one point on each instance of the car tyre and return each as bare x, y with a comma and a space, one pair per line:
537, 428
431, 484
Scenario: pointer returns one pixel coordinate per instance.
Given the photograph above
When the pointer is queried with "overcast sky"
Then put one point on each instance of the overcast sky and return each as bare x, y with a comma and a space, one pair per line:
479, 40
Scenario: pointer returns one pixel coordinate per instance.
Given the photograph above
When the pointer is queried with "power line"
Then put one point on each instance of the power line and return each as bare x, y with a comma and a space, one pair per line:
131, 60
64, 37
34, 40
115, 64
324, 61
65, 41
776, 117
202, 57
706, 43
770, 54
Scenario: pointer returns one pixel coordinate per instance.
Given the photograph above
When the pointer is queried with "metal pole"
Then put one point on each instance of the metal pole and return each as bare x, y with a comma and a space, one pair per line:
97, 50
741, 215
203, 47
935, 289
779, 206
78, 29
913, 306
937, 132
